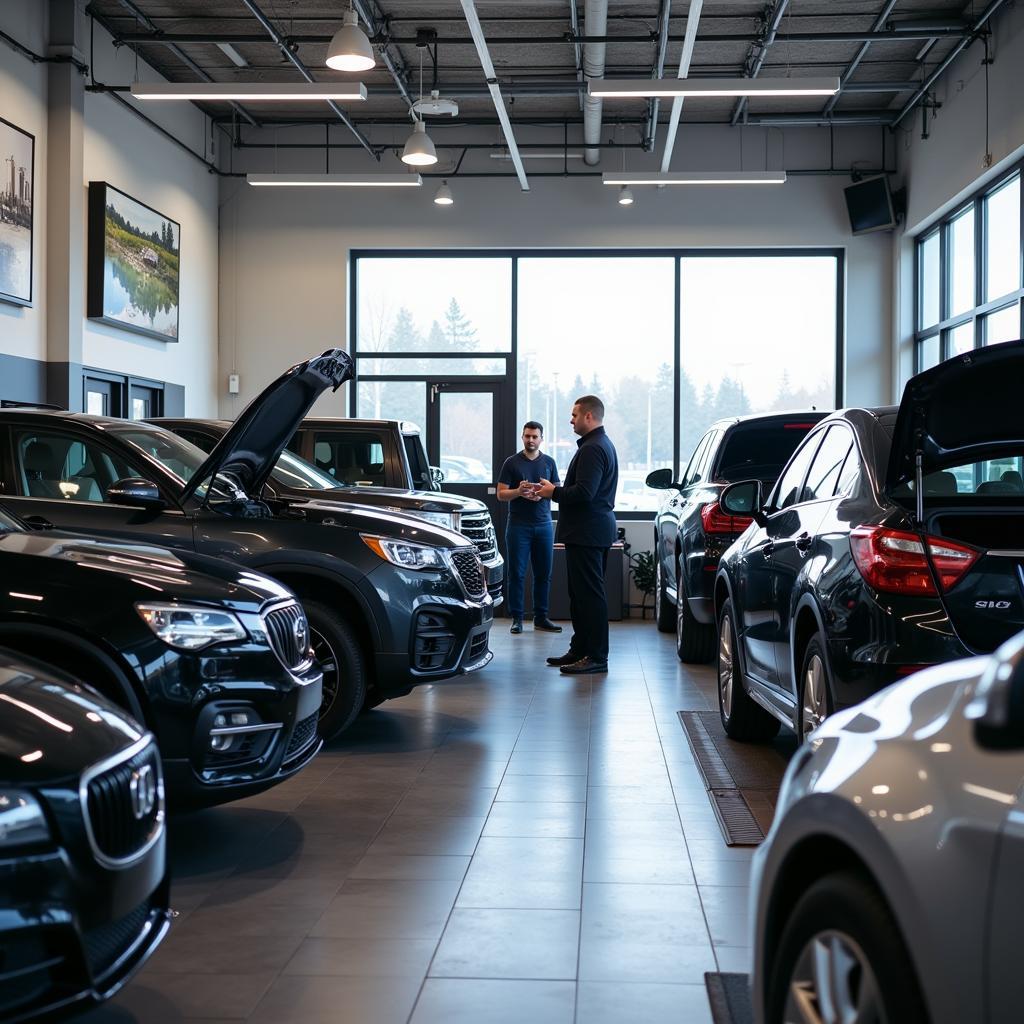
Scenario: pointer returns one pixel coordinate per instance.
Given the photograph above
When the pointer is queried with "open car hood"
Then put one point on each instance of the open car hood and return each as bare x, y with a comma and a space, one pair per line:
252, 444
966, 409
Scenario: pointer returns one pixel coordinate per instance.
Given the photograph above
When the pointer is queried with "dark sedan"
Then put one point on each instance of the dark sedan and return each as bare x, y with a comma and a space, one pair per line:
891, 541
691, 531
83, 866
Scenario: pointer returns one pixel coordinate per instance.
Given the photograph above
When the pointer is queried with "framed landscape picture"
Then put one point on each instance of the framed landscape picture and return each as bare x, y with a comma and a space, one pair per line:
17, 196
133, 264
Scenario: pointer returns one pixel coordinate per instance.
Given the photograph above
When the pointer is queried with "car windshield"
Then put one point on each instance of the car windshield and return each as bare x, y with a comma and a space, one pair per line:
291, 471
8, 524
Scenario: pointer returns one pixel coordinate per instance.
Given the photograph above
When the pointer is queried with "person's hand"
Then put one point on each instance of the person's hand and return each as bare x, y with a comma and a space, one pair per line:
525, 489
545, 489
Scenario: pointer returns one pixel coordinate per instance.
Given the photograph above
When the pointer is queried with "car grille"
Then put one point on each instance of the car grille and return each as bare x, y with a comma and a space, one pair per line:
302, 736
472, 573
105, 945
477, 527
478, 648
288, 632
123, 805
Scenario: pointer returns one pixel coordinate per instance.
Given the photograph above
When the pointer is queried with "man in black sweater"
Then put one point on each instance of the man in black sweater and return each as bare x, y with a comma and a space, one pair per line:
586, 526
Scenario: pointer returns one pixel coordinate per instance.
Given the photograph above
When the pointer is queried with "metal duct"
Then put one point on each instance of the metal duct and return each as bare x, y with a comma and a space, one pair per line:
596, 24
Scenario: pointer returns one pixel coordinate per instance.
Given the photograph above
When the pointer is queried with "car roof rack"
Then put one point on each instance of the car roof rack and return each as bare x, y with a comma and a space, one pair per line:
11, 403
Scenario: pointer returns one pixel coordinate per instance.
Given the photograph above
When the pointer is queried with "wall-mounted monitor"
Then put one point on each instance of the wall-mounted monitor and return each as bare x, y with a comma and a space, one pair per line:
869, 204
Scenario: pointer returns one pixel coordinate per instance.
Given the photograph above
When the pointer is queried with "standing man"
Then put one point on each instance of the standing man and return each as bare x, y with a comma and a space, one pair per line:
529, 536
586, 525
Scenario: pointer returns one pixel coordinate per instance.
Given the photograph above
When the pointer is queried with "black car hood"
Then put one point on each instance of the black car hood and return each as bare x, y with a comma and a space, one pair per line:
402, 500
963, 410
379, 522
254, 441
51, 728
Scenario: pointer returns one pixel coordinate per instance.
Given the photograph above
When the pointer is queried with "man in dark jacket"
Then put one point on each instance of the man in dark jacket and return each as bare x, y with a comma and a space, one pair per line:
586, 526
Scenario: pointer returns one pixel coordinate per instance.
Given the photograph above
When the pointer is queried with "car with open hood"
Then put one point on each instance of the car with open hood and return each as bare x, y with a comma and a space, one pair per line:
295, 477
213, 658
83, 863
392, 600
891, 541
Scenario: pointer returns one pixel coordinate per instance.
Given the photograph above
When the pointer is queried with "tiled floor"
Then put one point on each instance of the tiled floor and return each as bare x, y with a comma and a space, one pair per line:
518, 846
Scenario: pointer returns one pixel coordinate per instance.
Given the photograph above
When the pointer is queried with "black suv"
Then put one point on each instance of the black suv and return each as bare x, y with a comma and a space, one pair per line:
295, 477
83, 866
392, 601
214, 659
891, 541
690, 529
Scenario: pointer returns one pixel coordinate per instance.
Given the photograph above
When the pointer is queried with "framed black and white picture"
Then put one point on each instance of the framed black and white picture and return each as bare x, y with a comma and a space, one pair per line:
17, 196
133, 264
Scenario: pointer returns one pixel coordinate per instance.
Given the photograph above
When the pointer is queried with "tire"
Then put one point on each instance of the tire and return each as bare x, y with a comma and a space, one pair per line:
664, 612
741, 718
695, 640
344, 667
842, 924
815, 688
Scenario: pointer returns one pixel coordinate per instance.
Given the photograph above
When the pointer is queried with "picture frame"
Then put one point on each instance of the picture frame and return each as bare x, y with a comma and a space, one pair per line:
133, 264
17, 210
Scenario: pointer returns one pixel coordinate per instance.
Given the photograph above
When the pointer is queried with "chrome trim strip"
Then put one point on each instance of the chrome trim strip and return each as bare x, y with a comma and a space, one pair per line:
1008, 553
237, 730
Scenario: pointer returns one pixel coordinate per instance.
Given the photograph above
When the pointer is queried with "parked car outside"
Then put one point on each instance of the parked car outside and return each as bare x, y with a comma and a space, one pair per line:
83, 865
690, 529
868, 561
215, 660
392, 601
294, 477
890, 885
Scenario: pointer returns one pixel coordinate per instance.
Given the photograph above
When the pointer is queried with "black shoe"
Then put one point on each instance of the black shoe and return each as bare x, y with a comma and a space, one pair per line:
517, 626
545, 624
569, 658
585, 666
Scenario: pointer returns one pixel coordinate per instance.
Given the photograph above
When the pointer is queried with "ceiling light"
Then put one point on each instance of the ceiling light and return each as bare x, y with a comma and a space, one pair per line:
643, 87
538, 154
625, 196
694, 178
350, 50
443, 196
233, 55
419, 149
250, 91
335, 180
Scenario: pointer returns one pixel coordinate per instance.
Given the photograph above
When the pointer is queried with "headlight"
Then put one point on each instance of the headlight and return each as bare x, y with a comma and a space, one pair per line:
408, 556
21, 819
449, 520
191, 628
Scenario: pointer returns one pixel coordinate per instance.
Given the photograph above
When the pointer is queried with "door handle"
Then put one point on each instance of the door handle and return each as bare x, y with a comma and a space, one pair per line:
804, 542
37, 523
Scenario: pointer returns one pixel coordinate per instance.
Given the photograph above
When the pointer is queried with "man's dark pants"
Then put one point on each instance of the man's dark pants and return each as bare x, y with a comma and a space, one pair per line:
528, 543
588, 603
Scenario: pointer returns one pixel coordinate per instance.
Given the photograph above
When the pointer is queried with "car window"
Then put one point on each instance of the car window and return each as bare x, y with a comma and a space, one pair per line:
692, 470
993, 478
418, 465
850, 471
56, 465
789, 490
291, 471
353, 459
703, 470
757, 450
201, 441
828, 464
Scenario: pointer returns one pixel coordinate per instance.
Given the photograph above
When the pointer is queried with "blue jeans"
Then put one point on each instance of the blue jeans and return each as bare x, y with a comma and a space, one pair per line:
528, 543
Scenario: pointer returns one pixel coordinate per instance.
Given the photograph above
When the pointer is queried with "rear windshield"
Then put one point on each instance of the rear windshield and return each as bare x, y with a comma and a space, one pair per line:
994, 478
759, 450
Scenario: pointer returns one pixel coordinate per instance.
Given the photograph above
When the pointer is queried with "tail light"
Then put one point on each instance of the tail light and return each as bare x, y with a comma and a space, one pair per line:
717, 521
894, 560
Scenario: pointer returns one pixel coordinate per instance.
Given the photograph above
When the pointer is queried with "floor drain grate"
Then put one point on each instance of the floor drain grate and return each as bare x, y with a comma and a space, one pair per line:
710, 762
739, 826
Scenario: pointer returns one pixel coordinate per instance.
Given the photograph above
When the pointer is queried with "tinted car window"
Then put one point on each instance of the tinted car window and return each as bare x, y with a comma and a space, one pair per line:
352, 459
295, 472
758, 451
417, 461
1003, 477
791, 484
199, 440
850, 471
53, 465
693, 470
828, 464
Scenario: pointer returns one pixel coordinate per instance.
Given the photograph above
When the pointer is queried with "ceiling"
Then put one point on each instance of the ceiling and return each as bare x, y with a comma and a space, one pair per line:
535, 58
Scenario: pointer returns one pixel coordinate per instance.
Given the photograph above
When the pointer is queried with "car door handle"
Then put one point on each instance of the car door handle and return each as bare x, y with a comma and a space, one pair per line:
804, 542
37, 523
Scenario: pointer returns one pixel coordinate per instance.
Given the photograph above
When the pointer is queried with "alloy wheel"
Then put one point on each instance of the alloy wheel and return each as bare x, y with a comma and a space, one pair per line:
833, 983
726, 669
815, 700
328, 662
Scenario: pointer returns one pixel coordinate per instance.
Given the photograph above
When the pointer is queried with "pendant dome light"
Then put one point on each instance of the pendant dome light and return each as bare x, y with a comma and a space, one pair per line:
625, 196
419, 147
350, 49
443, 196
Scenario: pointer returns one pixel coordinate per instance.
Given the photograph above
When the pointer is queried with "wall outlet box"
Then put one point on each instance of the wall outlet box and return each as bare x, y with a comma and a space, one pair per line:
232, 383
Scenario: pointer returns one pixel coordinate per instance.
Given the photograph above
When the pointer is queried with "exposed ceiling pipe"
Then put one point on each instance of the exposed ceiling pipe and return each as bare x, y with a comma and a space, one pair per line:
685, 59
476, 30
596, 16
364, 8
307, 75
574, 24
844, 80
654, 104
756, 61
962, 45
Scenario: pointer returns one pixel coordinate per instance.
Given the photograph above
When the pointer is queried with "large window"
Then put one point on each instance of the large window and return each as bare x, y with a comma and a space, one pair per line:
968, 275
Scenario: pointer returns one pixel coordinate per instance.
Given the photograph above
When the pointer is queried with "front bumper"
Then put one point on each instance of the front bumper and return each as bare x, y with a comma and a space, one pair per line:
496, 580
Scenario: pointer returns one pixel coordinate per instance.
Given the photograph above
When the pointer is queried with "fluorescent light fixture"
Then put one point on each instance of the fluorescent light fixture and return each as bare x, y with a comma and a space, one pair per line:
334, 180
233, 55
350, 49
538, 154
249, 91
642, 87
619, 178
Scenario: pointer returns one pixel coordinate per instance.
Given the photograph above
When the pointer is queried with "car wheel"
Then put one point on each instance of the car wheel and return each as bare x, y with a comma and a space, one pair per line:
664, 613
815, 688
742, 719
695, 640
841, 958
343, 664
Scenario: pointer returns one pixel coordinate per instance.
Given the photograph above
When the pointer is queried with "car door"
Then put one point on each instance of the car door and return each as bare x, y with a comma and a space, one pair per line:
758, 610
681, 505
58, 478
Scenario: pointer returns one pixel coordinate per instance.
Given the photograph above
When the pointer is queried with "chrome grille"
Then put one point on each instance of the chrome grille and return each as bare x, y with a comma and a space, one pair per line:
288, 633
123, 804
477, 527
471, 572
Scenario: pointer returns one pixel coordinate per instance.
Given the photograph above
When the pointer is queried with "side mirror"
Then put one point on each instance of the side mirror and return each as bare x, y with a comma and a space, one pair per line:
997, 708
136, 492
660, 480
744, 499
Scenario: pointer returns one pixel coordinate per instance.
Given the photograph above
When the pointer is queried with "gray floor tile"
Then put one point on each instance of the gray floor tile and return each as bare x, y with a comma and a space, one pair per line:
296, 999
544, 788
478, 1001
155, 998
540, 819
417, 834
612, 1002
370, 958
410, 866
